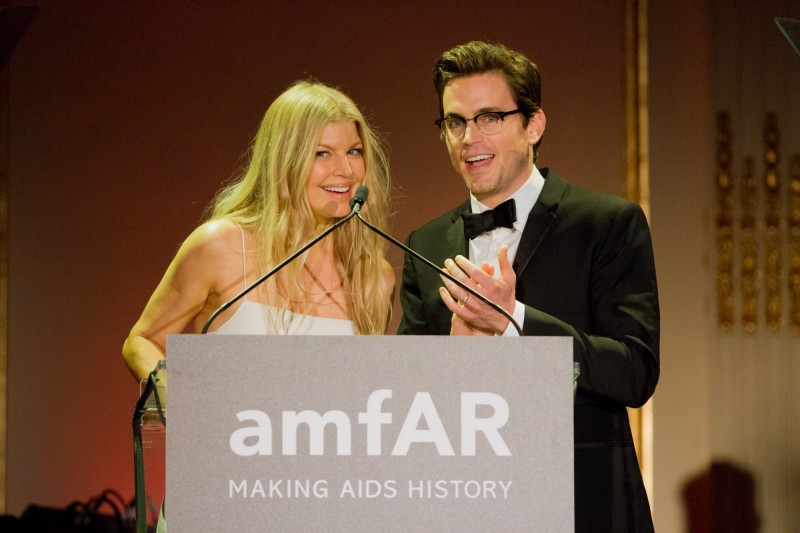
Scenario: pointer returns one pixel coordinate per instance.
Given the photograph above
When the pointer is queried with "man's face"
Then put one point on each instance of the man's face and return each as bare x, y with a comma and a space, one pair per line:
492, 166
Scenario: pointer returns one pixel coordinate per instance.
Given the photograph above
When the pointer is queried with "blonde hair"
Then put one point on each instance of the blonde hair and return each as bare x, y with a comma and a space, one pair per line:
270, 200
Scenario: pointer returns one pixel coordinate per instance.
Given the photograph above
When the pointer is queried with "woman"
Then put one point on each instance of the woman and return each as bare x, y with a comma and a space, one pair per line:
312, 151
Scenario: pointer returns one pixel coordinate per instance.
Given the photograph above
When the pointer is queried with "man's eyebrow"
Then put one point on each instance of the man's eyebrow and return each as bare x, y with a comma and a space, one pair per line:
489, 109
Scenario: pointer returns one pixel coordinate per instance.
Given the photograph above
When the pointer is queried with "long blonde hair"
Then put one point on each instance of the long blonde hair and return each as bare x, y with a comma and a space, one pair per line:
270, 200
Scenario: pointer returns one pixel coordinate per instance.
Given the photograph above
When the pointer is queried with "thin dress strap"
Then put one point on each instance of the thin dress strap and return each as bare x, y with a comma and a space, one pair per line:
244, 260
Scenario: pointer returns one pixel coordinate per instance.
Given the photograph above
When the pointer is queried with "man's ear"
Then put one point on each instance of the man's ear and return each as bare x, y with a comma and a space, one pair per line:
536, 126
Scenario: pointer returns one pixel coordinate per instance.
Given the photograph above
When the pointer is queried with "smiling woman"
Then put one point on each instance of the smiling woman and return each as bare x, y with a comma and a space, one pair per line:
337, 170
312, 151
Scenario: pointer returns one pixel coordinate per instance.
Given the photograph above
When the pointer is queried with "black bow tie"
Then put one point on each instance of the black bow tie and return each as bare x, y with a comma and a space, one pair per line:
504, 215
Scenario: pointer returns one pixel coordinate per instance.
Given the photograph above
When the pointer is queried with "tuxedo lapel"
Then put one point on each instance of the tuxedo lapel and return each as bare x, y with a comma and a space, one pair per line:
456, 241
540, 220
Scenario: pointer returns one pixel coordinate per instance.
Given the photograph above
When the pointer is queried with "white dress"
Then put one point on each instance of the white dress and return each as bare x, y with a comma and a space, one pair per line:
253, 318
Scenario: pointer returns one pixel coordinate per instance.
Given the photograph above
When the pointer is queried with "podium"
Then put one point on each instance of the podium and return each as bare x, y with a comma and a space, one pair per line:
372, 433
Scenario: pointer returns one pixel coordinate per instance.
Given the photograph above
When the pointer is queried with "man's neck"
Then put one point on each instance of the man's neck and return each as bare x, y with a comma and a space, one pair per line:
493, 200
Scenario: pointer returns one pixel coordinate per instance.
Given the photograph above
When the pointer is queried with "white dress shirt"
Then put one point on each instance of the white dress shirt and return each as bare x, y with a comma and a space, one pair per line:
484, 247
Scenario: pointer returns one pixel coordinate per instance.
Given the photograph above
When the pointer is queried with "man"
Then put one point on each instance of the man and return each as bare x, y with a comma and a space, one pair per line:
572, 262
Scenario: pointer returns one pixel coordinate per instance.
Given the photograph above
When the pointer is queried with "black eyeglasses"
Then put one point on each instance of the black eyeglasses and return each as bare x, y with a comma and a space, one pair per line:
488, 123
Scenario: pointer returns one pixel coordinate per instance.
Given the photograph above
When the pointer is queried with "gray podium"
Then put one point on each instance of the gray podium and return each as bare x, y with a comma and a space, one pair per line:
369, 434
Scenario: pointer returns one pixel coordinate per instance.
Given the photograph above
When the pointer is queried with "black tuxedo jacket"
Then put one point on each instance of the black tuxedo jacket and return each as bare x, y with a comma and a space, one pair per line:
584, 269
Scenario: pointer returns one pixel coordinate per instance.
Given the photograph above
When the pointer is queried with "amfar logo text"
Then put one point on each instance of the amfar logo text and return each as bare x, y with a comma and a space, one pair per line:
257, 439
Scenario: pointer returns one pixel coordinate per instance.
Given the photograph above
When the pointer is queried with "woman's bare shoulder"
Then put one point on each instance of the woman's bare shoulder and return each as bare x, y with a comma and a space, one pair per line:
219, 237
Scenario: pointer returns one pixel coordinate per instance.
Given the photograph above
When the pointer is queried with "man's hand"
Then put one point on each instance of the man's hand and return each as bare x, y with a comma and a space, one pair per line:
460, 328
472, 316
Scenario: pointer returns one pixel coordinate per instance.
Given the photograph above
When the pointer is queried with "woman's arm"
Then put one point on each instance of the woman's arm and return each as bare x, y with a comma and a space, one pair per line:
197, 280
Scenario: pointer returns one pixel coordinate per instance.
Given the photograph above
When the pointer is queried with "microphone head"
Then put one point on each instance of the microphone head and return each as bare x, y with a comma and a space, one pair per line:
360, 196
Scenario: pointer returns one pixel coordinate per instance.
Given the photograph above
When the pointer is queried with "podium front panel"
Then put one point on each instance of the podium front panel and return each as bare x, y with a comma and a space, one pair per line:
387, 433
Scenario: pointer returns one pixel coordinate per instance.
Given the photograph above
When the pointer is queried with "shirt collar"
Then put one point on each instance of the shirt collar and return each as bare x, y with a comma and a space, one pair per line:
524, 197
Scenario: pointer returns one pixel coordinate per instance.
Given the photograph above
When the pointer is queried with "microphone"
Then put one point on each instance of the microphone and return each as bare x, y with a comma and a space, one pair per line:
356, 210
359, 198
355, 206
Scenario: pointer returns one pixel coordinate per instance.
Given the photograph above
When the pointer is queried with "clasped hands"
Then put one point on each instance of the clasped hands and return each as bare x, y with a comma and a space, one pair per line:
472, 316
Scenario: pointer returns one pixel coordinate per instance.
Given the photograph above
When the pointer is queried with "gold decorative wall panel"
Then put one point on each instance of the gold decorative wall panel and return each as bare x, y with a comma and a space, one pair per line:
725, 217
748, 264
793, 232
772, 226
637, 182
757, 234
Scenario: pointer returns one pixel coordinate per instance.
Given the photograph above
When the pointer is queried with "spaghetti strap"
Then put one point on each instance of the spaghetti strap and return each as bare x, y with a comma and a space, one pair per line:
244, 259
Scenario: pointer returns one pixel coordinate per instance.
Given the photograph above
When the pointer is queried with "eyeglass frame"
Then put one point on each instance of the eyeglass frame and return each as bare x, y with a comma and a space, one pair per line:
502, 114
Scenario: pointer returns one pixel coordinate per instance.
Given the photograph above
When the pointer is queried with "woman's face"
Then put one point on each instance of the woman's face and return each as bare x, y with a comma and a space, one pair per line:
336, 172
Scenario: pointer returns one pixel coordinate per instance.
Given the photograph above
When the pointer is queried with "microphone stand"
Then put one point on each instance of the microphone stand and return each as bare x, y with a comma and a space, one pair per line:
151, 389
356, 208
443, 272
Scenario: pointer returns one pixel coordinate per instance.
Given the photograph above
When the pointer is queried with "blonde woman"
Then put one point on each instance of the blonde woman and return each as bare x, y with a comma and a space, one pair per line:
313, 149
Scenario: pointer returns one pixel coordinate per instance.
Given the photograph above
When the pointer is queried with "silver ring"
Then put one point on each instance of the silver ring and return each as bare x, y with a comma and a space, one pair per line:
464, 301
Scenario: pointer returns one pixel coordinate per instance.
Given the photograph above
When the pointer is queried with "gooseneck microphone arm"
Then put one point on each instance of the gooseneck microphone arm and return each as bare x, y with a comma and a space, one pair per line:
441, 271
355, 206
